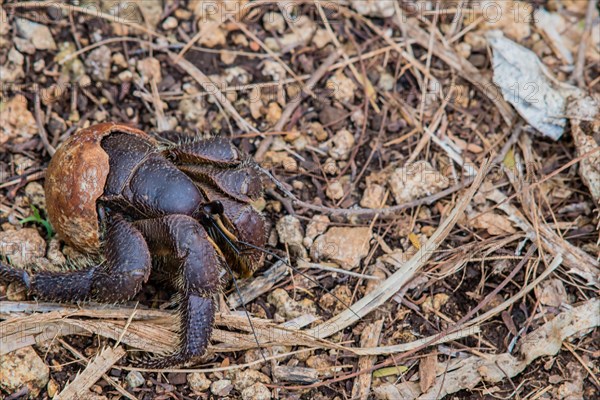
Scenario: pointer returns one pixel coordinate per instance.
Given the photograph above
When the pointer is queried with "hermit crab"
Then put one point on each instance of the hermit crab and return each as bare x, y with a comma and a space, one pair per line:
182, 213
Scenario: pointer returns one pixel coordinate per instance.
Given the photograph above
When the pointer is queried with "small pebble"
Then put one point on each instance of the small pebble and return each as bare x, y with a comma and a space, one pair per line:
258, 391
463, 49
289, 230
38, 34
134, 379
170, 23
52, 388
343, 141
182, 14
198, 382
317, 130
36, 195
85, 81
22, 246
24, 46
373, 196
228, 58
24, 367
335, 191
176, 378
96, 389
290, 164
125, 76
322, 38
245, 379
386, 82
298, 185
273, 21
273, 113
39, 65
221, 387
149, 68
342, 87
98, 63
101, 115
317, 225
119, 60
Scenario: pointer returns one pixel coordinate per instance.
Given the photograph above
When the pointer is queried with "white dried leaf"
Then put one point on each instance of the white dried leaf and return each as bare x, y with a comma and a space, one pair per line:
527, 84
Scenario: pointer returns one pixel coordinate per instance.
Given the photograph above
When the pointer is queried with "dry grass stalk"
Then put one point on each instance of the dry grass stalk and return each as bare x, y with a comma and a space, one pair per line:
369, 338
79, 387
107, 378
579, 262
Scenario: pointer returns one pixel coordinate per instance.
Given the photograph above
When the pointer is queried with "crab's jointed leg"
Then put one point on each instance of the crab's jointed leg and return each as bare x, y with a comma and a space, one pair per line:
119, 277
193, 263
215, 150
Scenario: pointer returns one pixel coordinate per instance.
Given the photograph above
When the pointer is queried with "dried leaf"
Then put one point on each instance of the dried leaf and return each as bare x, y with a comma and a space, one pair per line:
427, 368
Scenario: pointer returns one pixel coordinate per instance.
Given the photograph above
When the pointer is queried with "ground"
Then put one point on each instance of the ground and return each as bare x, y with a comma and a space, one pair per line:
405, 176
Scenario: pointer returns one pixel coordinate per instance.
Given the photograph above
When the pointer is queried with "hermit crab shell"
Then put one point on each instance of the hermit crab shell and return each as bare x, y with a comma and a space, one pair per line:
75, 180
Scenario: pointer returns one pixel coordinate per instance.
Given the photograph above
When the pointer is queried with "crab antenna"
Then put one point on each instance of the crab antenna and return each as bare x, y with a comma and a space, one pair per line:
237, 289
310, 278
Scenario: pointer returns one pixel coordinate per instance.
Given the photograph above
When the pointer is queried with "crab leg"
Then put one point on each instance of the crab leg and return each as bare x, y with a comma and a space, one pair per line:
193, 262
215, 150
119, 278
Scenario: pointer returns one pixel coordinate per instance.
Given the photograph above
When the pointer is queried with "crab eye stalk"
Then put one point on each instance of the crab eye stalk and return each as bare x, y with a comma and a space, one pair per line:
213, 208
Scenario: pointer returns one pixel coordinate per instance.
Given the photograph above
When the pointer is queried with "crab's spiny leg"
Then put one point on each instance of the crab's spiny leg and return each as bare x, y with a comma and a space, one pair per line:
242, 183
215, 150
195, 263
128, 263
126, 266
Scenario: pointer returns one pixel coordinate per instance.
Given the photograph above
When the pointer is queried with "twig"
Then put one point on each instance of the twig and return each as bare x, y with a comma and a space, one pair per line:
520, 294
324, 267
259, 285
40, 124
583, 364
30, 177
63, 319
544, 341
161, 122
362, 79
580, 63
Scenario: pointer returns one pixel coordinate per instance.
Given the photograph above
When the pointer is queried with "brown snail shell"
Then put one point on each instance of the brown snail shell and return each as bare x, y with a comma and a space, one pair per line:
75, 180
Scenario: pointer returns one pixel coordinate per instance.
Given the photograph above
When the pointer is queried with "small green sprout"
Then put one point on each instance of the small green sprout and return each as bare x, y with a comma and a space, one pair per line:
36, 217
